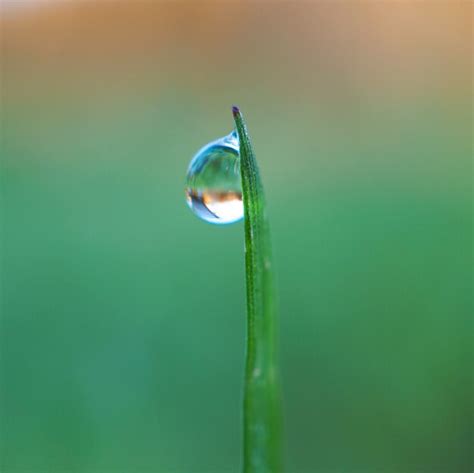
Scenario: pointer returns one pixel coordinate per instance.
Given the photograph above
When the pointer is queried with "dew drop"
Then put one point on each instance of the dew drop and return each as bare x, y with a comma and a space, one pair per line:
213, 185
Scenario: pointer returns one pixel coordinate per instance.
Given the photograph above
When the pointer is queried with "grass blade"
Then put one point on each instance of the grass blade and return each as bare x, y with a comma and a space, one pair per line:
262, 410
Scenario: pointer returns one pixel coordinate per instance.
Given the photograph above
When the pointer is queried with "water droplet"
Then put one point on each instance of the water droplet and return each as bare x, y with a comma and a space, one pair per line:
213, 186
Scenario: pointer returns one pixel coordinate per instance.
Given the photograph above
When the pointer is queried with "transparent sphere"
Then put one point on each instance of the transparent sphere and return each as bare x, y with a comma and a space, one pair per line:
213, 184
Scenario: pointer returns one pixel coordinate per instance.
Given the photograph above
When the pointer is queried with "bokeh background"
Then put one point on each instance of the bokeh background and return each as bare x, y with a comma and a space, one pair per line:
123, 315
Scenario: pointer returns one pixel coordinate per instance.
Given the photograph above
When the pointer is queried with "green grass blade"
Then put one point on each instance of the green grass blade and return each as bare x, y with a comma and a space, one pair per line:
262, 410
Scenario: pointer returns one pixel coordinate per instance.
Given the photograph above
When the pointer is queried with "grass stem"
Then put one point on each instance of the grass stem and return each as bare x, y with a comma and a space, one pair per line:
262, 404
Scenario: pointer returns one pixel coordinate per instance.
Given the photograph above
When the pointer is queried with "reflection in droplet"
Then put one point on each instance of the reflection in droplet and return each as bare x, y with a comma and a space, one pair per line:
213, 186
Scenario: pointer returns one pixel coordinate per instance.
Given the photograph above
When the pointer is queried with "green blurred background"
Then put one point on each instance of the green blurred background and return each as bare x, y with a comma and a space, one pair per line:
123, 315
